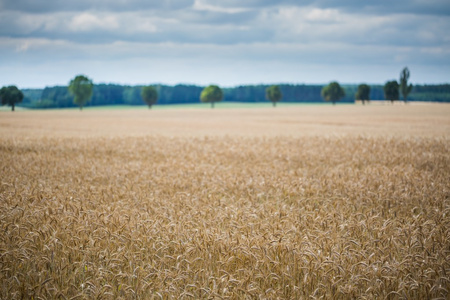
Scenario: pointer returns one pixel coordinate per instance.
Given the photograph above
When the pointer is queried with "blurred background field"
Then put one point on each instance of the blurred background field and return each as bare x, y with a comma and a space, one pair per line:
234, 119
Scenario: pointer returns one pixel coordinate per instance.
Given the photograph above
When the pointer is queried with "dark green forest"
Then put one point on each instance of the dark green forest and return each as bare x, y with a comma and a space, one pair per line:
113, 94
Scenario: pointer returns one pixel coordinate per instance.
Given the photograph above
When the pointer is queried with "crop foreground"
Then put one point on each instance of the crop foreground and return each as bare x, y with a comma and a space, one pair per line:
232, 217
299, 202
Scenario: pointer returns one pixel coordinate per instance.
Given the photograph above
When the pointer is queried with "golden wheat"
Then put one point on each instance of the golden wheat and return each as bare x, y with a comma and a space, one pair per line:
230, 217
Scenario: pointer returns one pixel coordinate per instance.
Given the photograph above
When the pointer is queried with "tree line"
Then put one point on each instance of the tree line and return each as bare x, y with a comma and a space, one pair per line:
113, 94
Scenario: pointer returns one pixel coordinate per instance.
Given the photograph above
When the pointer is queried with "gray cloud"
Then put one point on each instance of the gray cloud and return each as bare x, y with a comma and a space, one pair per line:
43, 6
434, 7
247, 36
276, 24
93, 27
387, 7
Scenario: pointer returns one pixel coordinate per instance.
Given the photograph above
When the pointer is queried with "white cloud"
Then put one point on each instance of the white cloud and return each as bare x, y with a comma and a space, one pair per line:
324, 15
89, 22
204, 5
23, 47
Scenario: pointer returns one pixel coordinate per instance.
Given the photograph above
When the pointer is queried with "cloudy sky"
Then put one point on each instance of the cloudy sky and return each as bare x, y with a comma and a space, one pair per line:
226, 42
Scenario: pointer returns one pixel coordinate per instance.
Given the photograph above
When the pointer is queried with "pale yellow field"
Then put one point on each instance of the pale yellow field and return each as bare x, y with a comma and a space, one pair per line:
293, 121
302, 202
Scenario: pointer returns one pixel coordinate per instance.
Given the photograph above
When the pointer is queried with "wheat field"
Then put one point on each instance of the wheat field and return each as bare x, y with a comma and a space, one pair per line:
307, 202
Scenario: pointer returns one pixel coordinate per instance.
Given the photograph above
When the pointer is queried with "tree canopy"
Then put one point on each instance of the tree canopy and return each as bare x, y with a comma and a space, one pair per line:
149, 95
333, 92
273, 93
211, 94
363, 93
404, 87
11, 95
81, 89
391, 90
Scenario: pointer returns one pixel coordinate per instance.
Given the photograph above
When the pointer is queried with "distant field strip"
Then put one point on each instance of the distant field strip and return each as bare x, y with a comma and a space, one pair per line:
107, 213
290, 121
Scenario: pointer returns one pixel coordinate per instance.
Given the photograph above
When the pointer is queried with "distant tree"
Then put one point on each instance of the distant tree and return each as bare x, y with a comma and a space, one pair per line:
391, 90
363, 93
11, 95
273, 93
211, 94
60, 95
81, 89
149, 95
332, 92
404, 87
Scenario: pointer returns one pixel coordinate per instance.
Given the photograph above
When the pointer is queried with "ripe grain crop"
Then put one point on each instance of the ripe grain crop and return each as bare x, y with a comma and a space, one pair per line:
234, 217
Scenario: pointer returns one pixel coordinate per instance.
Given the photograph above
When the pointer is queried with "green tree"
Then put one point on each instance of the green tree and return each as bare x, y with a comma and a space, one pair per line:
11, 95
404, 87
391, 90
332, 92
211, 94
81, 89
149, 95
363, 93
273, 93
